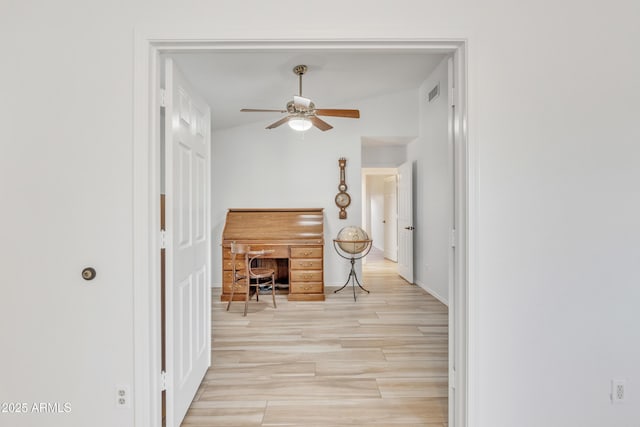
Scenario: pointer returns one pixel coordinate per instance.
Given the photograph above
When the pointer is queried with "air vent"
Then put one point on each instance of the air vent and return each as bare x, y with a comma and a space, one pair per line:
433, 93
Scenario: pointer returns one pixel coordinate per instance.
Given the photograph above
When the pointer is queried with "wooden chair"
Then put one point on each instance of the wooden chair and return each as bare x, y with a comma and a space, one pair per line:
246, 275
239, 273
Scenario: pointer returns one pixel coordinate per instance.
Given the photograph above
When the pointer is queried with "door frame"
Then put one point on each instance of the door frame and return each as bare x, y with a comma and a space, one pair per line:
148, 46
365, 173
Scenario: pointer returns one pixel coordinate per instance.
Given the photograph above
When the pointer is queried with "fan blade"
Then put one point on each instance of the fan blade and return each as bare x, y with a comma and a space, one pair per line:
278, 123
320, 124
256, 110
302, 102
352, 114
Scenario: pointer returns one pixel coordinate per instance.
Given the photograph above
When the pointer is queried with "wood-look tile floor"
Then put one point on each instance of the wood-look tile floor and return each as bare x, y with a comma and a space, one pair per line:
380, 361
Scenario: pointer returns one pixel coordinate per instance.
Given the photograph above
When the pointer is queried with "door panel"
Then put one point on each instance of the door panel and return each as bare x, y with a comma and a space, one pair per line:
183, 195
188, 292
391, 218
405, 221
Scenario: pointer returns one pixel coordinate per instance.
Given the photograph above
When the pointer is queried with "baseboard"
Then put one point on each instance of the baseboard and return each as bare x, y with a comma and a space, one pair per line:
433, 293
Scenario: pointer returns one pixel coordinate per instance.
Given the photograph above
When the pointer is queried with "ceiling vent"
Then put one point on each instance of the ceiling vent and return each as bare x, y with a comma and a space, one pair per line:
433, 93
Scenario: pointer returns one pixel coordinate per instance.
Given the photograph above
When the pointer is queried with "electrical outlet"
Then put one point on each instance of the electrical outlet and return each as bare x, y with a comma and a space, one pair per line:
618, 392
123, 396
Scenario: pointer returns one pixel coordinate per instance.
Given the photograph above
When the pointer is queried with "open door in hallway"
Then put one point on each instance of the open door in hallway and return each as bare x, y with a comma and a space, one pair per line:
188, 243
405, 221
391, 218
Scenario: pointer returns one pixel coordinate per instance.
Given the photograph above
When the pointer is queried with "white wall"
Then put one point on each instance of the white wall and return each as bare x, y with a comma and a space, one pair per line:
66, 191
554, 152
256, 168
384, 156
280, 168
433, 189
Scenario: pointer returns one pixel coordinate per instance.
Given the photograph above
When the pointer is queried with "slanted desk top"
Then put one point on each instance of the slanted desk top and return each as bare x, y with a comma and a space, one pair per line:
295, 235
303, 226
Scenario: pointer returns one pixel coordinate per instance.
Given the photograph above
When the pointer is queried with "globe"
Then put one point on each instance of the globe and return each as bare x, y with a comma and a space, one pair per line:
353, 233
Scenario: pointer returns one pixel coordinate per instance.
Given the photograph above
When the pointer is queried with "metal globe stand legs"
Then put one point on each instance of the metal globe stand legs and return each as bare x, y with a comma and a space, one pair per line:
353, 277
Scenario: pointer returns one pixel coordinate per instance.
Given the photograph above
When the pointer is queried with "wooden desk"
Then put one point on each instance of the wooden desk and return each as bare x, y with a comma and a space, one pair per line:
296, 237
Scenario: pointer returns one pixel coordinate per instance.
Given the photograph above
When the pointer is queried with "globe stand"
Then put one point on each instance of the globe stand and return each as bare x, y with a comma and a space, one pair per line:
352, 257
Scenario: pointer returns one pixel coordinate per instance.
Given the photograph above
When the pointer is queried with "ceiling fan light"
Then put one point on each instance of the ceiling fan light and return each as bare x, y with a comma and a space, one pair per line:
300, 124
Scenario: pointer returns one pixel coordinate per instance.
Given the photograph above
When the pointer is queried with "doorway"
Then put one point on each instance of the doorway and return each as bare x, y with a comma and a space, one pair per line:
380, 212
146, 217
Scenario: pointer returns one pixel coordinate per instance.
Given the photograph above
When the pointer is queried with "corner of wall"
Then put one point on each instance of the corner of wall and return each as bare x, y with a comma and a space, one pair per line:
444, 300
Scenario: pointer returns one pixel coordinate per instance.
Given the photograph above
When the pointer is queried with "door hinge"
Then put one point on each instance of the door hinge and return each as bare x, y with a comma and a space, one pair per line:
452, 96
163, 380
163, 98
454, 238
163, 239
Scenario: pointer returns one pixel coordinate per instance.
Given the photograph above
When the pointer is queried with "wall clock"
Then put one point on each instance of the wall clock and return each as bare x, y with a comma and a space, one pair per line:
343, 200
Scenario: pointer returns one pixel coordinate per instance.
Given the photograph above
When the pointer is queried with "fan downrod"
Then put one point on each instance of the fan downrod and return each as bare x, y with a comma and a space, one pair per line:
299, 70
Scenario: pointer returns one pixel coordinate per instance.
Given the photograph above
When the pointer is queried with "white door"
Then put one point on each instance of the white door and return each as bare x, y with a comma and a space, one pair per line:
405, 221
188, 292
390, 218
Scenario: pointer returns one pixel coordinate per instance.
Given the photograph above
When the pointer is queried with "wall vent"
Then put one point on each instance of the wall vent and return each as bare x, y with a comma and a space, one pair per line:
433, 93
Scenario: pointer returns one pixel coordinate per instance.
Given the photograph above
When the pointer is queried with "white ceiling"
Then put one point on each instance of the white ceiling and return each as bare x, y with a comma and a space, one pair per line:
230, 81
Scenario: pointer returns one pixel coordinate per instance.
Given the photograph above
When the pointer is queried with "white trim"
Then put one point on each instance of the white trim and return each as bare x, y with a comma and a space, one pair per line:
146, 160
465, 166
433, 293
467, 235
468, 240
146, 217
379, 171
452, 251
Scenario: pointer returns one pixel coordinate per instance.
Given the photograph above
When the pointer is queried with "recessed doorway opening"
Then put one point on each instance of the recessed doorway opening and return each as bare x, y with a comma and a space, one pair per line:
380, 212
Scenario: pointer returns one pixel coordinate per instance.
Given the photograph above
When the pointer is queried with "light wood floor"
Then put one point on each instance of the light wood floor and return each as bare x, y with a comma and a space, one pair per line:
379, 361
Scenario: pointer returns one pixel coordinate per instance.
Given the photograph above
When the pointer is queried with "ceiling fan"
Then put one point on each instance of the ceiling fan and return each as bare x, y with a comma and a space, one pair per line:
302, 113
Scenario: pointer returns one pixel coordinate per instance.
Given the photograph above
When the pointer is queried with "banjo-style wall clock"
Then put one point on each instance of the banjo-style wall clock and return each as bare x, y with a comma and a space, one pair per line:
343, 200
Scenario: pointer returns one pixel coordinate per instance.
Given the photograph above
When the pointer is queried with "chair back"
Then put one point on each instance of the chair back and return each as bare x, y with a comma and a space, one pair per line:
238, 249
239, 252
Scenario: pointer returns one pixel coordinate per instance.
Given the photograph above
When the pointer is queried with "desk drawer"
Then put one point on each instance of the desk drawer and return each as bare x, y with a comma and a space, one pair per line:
306, 288
228, 265
227, 276
307, 252
306, 264
239, 287
306, 276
